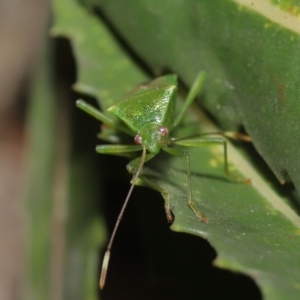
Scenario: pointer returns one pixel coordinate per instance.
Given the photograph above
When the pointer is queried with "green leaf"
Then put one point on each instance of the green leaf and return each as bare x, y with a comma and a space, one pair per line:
250, 51
41, 126
252, 228
64, 232
98, 55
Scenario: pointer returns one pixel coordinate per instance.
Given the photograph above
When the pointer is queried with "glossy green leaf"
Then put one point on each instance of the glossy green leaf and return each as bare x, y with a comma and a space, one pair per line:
249, 50
253, 229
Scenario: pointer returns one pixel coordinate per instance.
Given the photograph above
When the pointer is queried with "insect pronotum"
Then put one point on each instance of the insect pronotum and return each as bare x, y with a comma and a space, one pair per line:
148, 114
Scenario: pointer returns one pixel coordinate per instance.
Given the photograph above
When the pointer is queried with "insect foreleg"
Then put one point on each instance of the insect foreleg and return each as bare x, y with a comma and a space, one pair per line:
148, 183
121, 150
132, 167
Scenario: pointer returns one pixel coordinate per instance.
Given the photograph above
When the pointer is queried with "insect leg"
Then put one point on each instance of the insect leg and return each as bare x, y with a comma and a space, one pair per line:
146, 182
199, 142
121, 150
133, 165
197, 85
185, 154
97, 114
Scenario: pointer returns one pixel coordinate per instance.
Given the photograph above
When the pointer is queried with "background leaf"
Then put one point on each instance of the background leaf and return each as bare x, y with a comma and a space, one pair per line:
40, 168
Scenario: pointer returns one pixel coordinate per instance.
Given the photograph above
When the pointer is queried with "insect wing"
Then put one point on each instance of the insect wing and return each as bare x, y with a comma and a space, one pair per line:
152, 103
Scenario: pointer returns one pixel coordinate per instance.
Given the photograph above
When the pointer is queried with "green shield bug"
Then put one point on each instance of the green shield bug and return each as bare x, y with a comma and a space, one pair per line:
148, 114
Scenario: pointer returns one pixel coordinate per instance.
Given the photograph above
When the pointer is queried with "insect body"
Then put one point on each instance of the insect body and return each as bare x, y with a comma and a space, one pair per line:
148, 114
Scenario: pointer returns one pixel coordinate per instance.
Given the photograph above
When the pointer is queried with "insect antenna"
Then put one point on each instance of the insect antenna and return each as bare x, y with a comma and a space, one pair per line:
107, 253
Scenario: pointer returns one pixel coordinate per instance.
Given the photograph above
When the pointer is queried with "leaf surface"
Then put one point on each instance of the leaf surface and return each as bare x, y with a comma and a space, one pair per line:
252, 228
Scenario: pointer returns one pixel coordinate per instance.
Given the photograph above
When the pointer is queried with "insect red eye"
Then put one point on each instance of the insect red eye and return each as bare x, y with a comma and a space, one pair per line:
138, 139
163, 130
